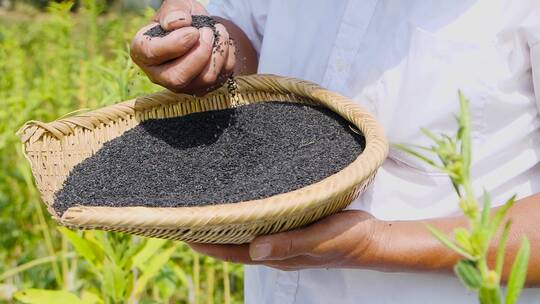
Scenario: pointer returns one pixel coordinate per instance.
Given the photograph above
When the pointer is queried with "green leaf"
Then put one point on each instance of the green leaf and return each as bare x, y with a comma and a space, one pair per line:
501, 249
462, 237
443, 239
500, 214
489, 295
43, 296
412, 152
518, 273
480, 241
103, 240
485, 209
81, 246
469, 275
431, 136
90, 298
134, 245
114, 281
150, 248
431, 149
151, 269
180, 275
465, 133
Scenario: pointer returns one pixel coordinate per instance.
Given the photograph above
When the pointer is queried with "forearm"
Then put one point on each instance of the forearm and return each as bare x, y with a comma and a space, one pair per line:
246, 56
408, 245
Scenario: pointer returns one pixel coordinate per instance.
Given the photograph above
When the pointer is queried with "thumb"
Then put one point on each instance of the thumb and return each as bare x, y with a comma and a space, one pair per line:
280, 246
174, 14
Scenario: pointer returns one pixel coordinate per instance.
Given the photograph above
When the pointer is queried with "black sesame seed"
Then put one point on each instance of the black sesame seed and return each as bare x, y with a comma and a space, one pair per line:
249, 152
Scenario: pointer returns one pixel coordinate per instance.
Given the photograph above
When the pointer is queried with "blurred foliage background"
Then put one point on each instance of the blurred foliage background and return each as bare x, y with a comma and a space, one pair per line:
54, 60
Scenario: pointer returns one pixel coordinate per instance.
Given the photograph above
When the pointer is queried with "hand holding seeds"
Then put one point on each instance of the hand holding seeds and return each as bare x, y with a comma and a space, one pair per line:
183, 49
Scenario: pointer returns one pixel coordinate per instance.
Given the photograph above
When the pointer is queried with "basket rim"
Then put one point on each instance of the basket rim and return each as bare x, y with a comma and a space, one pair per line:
306, 198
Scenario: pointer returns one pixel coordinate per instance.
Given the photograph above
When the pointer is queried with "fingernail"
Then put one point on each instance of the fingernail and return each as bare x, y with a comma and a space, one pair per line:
260, 251
174, 16
207, 35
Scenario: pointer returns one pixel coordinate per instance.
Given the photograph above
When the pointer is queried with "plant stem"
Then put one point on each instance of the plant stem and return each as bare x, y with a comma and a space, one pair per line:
34, 263
65, 266
48, 241
482, 266
210, 282
196, 276
226, 284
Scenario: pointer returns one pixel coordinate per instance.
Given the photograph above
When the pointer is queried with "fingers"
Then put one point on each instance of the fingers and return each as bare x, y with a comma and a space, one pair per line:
186, 60
228, 69
279, 250
281, 246
229, 253
220, 53
240, 254
198, 9
179, 73
339, 240
174, 14
154, 51
316, 240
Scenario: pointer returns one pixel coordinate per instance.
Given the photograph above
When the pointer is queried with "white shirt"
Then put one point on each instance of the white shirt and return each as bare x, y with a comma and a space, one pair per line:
405, 61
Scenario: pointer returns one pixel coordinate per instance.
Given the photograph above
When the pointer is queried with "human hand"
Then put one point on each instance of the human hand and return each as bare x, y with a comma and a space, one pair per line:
348, 239
185, 60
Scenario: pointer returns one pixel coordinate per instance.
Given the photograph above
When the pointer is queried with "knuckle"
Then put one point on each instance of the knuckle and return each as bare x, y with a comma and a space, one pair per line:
221, 27
141, 51
288, 247
148, 53
156, 78
229, 67
202, 58
209, 78
177, 79
223, 33
186, 42
204, 41
223, 37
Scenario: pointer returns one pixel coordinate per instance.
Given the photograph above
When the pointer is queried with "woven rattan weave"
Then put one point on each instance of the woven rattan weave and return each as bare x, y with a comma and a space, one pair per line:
54, 148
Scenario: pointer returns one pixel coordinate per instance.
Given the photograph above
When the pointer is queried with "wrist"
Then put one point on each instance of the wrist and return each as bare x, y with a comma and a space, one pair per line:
409, 246
375, 255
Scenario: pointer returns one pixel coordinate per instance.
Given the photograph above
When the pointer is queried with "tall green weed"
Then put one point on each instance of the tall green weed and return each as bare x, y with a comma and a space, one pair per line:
52, 64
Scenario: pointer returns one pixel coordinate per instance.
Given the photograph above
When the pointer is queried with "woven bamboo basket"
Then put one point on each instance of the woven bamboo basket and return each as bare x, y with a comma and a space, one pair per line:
54, 148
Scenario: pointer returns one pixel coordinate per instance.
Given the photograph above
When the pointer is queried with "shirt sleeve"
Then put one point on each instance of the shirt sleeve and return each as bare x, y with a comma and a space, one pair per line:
248, 15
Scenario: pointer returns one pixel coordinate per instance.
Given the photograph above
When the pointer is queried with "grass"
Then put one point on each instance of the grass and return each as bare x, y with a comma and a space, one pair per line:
52, 64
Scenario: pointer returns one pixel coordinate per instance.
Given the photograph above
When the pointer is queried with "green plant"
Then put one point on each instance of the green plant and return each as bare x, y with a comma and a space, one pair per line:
472, 244
52, 64
119, 269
